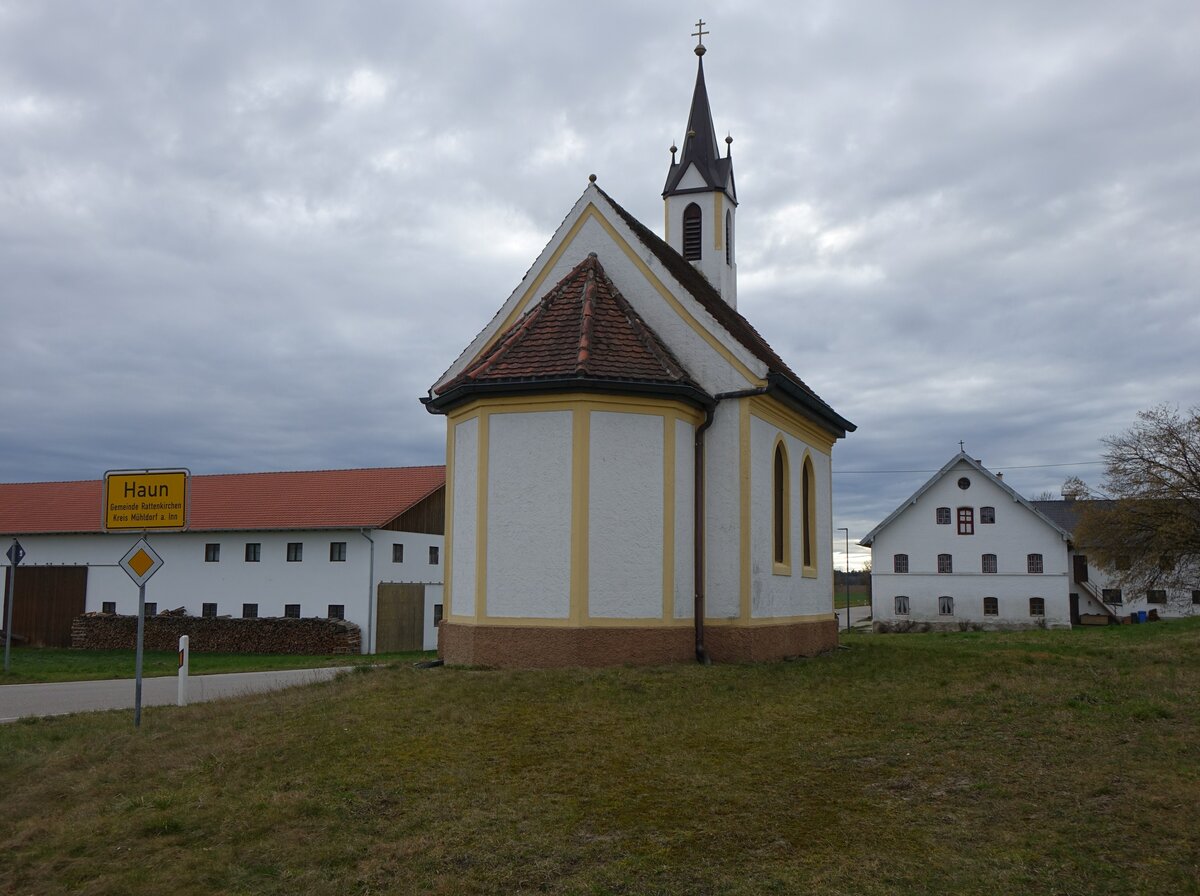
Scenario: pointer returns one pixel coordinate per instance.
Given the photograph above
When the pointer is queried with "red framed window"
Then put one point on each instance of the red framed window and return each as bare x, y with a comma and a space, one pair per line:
966, 521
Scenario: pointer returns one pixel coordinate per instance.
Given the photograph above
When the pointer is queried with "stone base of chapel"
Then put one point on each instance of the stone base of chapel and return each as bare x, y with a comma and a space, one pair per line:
538, 647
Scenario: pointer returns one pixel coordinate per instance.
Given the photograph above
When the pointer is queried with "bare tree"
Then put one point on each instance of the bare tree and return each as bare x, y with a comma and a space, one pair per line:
1148, 535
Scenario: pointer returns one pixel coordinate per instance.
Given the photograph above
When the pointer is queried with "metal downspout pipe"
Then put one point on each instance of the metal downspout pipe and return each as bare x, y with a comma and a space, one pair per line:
370, 645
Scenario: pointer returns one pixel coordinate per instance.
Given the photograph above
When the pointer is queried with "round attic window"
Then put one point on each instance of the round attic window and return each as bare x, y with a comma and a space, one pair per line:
964, 483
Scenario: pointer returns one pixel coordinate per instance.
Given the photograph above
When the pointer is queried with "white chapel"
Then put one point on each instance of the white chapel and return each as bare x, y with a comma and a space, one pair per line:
633, 474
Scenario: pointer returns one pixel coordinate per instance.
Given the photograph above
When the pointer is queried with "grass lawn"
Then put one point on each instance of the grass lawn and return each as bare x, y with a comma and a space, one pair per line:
859, 596
1037, 762
31, 664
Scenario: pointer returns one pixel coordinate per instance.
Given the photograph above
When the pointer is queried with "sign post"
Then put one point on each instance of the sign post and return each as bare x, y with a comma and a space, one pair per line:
16, 554
140, 563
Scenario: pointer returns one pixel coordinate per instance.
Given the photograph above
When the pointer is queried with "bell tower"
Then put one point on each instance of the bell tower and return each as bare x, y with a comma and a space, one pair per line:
701, 202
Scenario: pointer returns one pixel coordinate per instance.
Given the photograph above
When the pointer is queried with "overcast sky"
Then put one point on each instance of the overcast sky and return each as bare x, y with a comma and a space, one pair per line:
240, 236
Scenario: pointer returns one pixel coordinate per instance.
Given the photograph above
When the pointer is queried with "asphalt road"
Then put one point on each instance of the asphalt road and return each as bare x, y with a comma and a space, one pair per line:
59, 698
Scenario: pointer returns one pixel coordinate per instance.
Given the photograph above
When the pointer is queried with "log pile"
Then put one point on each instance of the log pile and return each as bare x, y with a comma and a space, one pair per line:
222, 634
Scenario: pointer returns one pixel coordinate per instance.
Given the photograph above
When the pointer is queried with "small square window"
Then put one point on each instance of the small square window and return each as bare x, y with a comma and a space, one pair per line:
433, 555
337, 611
1033, 564
1112, 596
208, 611
900, 563
945, 606
1156, 596
295, 552
991, 606
437, 615
945, 563
212, 553
151, 609
989, 563
397, 553
249, 611
901, 605
943, 516
253, 551
291, 611
337, 552
1037, 606
987, 516
109, 606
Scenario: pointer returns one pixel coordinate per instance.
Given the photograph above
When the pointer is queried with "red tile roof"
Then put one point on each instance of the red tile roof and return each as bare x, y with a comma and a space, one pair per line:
582, 330
322, 499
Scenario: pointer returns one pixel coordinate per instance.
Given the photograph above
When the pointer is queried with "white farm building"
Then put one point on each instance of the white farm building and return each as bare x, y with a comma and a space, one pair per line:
362, 545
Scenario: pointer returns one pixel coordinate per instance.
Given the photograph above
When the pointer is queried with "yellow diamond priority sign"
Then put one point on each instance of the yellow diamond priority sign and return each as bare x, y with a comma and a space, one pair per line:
141, 562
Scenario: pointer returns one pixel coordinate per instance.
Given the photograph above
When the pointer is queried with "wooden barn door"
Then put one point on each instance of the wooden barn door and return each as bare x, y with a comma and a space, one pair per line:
45, 600
400, 617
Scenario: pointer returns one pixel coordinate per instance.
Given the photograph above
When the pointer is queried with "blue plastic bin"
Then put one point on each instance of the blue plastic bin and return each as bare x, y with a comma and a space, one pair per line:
1141, 615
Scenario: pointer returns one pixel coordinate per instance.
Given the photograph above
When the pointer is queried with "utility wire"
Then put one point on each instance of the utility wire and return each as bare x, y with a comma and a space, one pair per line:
1082, 463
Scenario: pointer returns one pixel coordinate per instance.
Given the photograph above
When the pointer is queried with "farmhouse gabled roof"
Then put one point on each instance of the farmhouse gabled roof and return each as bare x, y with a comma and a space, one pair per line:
962, 457
320, 499
581, 334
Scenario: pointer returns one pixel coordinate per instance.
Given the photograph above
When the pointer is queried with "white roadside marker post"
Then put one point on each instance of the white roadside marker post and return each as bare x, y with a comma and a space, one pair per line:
183, 670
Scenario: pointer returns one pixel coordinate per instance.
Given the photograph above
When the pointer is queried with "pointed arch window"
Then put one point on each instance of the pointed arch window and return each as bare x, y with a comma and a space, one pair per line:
808, 518
729, 237
781, 510
692, 221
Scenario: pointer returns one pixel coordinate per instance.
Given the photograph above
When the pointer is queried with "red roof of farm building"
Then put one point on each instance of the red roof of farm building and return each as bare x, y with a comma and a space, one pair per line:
321, 499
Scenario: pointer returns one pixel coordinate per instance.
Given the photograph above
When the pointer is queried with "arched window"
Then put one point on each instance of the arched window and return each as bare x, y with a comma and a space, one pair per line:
900, 563
729, 237
991, 606
808, 517
781, 516
691, 232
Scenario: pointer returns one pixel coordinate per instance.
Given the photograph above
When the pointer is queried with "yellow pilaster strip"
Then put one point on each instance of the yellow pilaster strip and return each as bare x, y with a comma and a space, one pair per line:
744, 494
481, 517
668, 551
581, 439
448, 537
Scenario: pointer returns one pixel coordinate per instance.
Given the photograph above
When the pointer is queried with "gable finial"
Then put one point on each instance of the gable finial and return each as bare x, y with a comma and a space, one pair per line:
699, 35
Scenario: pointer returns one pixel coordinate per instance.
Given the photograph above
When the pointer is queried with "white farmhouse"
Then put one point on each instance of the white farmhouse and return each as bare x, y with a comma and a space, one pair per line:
363, 545
634, 475
965, 549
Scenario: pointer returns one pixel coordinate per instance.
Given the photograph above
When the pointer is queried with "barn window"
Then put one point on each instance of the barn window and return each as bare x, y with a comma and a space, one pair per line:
295, 552
437, 615
900, 563
989, 563
901, 605
691, 232
253, 551
151, 608
337, 611
1196, 596
1113, 596
109, 606
991, 606
1037, 606
943, 516
987, 516
945, 563
1156, 596
781, 511
337, 552
966, 521
1033, 564
433, 555
208, 611
808, 500
249, 611
397, 553
291, 611
212, 553
945, 606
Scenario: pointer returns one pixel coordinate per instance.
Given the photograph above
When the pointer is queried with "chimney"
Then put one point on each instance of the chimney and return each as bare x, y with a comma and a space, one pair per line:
1000, 476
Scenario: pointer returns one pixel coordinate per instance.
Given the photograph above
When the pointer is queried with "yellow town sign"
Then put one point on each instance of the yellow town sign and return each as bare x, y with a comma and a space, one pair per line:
145, 499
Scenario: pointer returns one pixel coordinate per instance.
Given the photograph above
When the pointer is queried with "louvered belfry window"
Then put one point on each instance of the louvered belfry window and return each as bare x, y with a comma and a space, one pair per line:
691, 232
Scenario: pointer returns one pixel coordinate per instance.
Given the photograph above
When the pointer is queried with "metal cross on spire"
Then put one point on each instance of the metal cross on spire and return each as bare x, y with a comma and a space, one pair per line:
960, 445
699, 35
